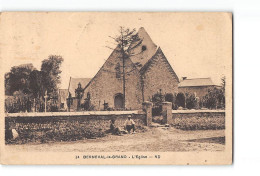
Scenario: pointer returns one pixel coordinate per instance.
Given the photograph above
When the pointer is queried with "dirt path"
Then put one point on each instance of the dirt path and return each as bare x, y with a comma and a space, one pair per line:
155, 139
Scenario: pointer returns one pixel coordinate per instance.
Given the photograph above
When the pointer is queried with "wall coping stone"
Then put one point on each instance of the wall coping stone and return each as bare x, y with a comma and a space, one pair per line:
195, 111
81, 113
166, 103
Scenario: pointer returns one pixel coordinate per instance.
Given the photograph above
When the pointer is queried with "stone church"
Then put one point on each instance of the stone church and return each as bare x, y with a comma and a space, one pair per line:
153, 74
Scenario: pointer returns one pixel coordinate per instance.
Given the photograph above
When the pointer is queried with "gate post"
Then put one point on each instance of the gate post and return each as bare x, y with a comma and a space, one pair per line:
167, 112
147, 108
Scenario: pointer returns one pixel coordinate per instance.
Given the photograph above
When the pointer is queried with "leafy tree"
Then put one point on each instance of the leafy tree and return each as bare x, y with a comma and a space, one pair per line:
18, 79
210, 99
28, 85
50, 73
215, 98
36, 85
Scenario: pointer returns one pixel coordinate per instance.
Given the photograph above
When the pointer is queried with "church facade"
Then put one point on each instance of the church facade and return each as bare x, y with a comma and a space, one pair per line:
154, 74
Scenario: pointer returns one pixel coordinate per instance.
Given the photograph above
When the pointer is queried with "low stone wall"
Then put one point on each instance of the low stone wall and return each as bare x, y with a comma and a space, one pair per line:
197, 113
198, 119
56, 127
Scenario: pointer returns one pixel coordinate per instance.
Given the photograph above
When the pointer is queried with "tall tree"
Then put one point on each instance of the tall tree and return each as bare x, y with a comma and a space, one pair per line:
36, 85
18, 79
50, 69
123, 41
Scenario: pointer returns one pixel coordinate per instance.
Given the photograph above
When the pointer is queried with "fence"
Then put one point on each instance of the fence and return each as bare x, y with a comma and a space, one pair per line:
27, 104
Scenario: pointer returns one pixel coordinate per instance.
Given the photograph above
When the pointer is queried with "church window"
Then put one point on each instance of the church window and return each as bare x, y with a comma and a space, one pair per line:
118, 71
144, 48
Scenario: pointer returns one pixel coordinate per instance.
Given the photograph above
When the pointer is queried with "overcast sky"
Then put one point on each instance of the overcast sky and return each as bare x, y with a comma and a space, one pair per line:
197, 45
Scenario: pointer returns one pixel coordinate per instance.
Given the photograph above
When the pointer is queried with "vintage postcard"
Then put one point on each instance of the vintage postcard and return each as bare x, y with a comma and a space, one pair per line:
116, 88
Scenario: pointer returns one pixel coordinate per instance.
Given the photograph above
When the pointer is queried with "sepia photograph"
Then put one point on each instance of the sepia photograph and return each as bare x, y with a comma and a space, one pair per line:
116, 88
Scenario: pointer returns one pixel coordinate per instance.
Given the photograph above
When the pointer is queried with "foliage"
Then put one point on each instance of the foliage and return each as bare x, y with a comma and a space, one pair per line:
19, 102
36, 83
51, 74
214, 99
50, 129
28, 85
59, 131
186, 100
158, 98
199, 123
191, 101
127, 41
18, 79
180, 100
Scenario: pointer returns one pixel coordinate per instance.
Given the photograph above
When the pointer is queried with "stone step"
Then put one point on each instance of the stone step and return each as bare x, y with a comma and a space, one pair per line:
156, 125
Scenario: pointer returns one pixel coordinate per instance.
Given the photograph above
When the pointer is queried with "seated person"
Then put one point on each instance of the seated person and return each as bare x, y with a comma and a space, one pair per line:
113, 129
130, 124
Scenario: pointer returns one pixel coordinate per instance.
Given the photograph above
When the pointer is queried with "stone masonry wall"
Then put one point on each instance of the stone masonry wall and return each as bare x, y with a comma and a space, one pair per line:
200, 91
198, 119
158, 76
104, 86
65, 128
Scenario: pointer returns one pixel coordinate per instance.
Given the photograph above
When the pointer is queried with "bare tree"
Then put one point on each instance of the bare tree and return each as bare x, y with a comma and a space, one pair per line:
126, 41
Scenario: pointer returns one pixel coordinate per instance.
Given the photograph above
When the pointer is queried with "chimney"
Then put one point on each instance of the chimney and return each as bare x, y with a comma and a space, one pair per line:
183, 78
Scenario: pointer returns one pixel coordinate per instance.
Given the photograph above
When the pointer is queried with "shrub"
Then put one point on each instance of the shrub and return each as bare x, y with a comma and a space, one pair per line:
191, 101
180, 100
199, 123
214, 99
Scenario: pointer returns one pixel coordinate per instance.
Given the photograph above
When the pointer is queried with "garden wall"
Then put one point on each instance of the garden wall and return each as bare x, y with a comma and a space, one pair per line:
44, 127
198, 119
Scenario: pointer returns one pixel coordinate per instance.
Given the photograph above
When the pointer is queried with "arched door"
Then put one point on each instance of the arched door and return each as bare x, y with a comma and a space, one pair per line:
119, 101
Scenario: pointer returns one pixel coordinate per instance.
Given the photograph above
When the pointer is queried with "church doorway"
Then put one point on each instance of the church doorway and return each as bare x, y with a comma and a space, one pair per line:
119, 101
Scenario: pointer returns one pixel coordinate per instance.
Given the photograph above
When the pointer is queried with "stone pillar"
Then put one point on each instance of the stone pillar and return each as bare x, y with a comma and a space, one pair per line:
147, 107
167, 112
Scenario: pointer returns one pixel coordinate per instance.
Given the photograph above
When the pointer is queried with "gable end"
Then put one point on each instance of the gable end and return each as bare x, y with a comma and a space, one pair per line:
149, 64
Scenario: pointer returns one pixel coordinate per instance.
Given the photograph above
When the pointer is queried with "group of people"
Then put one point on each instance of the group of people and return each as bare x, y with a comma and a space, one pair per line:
128, 126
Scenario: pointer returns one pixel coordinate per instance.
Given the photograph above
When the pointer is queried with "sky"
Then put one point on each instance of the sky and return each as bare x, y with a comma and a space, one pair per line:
197, 45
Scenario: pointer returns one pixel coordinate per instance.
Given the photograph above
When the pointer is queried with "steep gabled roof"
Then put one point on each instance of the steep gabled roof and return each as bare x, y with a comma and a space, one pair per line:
115, 53
144, 57
73, 84
152, 60
196, 82
145, 50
